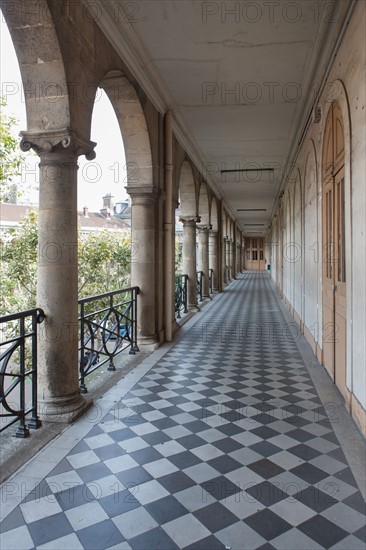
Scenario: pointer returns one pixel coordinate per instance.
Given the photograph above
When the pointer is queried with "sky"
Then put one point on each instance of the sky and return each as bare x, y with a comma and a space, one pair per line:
105, 174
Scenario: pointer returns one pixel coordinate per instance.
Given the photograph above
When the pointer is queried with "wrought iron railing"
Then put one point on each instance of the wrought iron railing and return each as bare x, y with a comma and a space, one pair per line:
18, 370
181, 284
210, 281
107, 327
199, 275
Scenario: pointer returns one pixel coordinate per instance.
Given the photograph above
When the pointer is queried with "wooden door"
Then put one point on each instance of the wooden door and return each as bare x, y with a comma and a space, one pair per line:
334, 244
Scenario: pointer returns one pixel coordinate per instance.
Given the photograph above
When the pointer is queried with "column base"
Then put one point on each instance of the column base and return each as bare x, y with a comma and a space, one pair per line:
147, 343
193, 309
63, 409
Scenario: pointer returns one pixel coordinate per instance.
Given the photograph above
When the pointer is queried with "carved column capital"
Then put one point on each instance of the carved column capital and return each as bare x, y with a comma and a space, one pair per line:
189, 220
144, 194
60, 140
204, 228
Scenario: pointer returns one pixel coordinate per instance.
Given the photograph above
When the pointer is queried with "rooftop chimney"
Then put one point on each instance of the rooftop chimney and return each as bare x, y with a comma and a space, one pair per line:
86, 212
108, 202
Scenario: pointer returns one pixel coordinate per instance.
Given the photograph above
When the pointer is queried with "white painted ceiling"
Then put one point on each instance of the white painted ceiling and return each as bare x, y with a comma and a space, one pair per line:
266, 52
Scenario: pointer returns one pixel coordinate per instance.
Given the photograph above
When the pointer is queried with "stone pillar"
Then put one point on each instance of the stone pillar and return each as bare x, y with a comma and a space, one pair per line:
223, 262
233, 261
203, 258
57, 283
238, 259
189, 260
213, 258
144, 210
228, 258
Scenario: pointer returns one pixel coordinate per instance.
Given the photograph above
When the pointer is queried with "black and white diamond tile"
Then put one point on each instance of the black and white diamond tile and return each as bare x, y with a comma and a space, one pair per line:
223, 443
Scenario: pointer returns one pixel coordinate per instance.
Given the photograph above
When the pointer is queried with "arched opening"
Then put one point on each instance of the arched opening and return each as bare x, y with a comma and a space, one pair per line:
334, 247
104, 209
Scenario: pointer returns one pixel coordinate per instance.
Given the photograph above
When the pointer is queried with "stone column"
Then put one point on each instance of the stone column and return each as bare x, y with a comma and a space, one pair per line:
189, 260
144, 210
57, 283
223, 262
232, 260
228, 258
213, 258
203, 258
238, 259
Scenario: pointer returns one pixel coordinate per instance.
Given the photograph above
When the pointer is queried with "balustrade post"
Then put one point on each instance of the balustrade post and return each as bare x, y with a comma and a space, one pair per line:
57, 284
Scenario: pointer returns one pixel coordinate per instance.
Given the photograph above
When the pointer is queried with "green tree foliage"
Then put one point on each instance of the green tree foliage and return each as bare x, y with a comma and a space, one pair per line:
104, 264
11, 157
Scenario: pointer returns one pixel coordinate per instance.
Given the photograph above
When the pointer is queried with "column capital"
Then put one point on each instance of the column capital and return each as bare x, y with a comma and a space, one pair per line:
189, 220
204, 227
144, 194
62, 140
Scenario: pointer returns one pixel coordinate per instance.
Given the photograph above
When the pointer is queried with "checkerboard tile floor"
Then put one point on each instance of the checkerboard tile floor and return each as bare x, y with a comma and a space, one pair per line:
224, 443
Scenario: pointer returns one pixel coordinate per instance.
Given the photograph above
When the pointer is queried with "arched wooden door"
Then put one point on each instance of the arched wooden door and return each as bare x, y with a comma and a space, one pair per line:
334, 264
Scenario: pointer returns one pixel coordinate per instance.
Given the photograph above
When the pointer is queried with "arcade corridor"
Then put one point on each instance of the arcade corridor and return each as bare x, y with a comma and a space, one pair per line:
219, 440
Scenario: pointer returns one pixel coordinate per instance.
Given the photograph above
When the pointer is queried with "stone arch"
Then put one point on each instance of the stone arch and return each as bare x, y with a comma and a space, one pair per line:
132, 122
41, 66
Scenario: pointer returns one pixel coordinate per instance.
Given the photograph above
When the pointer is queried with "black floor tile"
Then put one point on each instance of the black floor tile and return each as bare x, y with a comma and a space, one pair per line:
177, 481
265, 448
309, 473
323, 531
134, 476
224, 464
156, 539
184, 459
166, 509
266, 493
267, 524
93, 472
47, 529
215, 517
208, 543
265, 468
143, 456
74, 496
220, 487
119, 503
100, 536
315, 499
304, 451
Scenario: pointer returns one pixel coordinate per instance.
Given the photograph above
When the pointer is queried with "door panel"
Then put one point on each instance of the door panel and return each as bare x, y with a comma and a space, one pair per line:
334, 246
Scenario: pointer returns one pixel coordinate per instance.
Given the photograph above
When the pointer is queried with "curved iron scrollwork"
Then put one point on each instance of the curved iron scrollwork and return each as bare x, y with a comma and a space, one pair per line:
107, 327
18, 370
181, 282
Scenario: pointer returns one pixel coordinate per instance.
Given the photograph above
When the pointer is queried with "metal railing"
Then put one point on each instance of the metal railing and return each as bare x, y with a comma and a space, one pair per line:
18, 370
210, 281
181, 284
107, 327
199, 276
